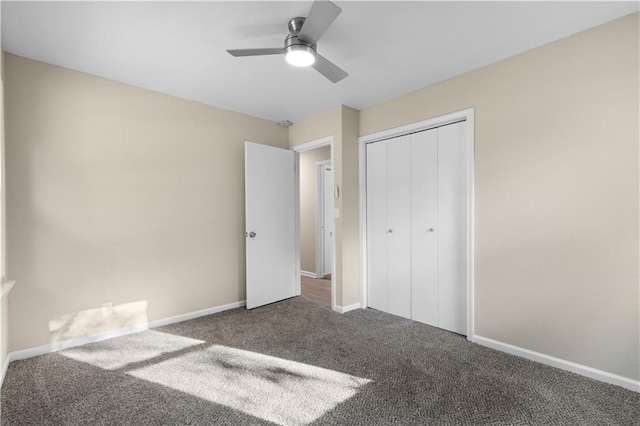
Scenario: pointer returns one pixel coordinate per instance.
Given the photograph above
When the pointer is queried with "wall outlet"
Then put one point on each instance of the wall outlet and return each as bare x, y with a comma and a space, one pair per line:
107, 309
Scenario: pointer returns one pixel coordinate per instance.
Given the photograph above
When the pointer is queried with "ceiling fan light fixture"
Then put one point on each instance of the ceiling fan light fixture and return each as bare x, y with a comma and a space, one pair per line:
300, 44
300, 55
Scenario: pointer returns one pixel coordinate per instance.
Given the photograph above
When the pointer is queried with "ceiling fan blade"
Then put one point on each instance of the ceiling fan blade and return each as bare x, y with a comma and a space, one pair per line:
329, 69
319, 19
256, 52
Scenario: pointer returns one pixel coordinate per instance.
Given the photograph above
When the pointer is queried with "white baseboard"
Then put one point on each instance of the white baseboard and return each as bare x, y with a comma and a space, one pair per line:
583, 370
345, 309
5, 366
96, 337
308, 274
196, 314
70, 343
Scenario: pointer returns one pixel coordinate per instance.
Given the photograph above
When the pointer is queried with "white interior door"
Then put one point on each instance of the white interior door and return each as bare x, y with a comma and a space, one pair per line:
328, 220
270, 218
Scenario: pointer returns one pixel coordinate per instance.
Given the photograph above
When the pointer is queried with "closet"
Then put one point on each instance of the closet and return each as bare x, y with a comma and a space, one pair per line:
417, 226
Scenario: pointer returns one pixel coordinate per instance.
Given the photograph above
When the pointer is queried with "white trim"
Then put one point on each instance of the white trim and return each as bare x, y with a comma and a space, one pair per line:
5, 288
466, 115
196, 314
345, 309
3, 373
79, 341
580, 369
419, 126
296, 185
471, 224
308, 274
96, 337
362, 212
318, 143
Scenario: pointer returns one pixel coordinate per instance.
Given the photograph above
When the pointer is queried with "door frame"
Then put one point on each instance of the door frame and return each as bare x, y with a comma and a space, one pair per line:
467, 115
320, 165
308, 146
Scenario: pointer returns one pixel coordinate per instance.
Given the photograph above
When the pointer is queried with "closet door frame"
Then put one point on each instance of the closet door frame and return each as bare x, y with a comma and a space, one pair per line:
467, 115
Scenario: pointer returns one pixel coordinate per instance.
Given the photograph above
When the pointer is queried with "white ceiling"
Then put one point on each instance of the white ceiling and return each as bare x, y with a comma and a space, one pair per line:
389, 48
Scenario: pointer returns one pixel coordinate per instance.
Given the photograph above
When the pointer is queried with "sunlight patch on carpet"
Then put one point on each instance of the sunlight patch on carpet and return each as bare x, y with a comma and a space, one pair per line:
117, 353
273, 389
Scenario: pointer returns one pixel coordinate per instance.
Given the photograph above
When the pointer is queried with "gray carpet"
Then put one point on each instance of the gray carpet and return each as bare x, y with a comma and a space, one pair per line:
297, 363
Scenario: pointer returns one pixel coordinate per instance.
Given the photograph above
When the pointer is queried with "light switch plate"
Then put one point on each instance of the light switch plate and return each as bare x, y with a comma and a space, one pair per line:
337, 213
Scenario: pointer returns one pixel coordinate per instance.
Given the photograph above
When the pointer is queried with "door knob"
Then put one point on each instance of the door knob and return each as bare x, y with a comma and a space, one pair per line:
251, 234
431, 230
390, 231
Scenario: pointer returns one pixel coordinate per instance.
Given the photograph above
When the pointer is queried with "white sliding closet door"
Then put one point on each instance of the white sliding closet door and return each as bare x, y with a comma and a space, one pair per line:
453, 160
399, 223
377, 225
424, 227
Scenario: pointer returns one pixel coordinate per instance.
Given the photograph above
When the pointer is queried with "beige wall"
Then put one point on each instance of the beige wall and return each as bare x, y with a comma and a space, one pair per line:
342, 123
309, 205
124, 195
556, 193
350, 190
4, 306
119, 194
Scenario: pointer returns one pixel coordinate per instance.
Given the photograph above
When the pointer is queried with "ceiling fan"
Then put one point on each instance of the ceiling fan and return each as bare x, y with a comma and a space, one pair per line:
300, 45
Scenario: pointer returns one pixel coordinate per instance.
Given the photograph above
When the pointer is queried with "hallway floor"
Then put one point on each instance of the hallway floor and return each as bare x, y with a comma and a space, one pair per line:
316, 290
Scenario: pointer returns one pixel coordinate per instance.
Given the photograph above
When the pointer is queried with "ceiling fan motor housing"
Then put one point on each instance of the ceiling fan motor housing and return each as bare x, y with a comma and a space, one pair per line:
292, 41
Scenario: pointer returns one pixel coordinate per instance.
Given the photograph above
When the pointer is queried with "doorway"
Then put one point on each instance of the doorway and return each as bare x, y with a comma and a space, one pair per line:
316, 221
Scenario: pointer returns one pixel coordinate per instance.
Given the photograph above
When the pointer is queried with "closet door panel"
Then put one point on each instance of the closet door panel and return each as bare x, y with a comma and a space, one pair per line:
377, 225
399, 225
424, 227
453, 226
